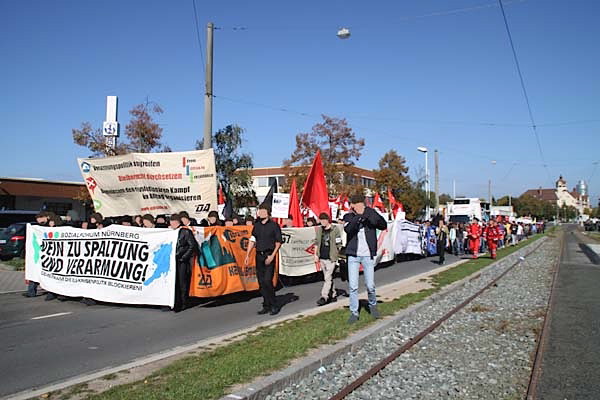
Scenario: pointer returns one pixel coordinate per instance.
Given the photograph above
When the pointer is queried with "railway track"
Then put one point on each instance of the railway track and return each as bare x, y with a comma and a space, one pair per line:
542, 338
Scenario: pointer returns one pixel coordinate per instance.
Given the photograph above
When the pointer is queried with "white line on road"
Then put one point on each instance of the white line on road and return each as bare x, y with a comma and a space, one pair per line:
52, 315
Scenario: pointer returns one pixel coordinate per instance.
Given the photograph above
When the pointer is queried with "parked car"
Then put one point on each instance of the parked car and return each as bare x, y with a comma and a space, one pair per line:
8, 217
12, 241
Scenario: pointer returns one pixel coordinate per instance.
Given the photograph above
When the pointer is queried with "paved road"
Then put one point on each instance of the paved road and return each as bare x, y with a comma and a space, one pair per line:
571, 361
37, 352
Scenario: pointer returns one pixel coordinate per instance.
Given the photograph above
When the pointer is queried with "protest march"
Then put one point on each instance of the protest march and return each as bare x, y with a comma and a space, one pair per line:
161, 233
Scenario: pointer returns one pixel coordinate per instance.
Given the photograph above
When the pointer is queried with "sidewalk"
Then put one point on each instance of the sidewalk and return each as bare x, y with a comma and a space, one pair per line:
570, 365
11, 281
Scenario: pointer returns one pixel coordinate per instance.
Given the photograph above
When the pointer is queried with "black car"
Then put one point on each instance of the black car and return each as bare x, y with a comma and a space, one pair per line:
12, 241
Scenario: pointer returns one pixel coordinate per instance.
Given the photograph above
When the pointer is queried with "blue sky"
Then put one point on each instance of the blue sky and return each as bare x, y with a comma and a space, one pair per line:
412, 74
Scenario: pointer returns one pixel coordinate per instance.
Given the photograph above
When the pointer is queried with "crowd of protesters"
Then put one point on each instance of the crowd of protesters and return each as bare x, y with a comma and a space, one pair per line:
360, 225
476, 237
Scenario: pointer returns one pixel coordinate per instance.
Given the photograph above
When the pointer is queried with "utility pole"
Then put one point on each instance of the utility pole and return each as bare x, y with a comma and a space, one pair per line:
453, 189
208, 95
490, 191
437, 181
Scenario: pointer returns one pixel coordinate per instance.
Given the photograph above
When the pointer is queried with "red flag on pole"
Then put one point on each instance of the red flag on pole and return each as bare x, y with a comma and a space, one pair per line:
377, 203
315, 195
294, 210
221, 195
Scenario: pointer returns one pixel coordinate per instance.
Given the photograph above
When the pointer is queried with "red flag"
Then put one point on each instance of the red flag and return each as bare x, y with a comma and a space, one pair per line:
294, 210
314, 194
221, 195
377, 203
393, 203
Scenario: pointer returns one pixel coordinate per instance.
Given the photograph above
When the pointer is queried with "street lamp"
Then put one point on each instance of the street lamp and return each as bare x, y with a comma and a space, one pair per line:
427, 212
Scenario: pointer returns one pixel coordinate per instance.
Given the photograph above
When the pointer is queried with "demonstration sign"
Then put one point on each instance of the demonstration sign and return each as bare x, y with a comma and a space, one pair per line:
117, 264
280, 207
152, 183
297, 254
219, 268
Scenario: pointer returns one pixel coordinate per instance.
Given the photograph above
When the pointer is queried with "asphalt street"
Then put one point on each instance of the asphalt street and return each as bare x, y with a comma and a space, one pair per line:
48, 342
571, 362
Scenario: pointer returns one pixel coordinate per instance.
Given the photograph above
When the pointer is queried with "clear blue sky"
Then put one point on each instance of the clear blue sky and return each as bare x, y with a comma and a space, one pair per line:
410, 75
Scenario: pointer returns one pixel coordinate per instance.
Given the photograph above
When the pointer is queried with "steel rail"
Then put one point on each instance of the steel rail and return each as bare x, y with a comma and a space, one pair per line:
408, 345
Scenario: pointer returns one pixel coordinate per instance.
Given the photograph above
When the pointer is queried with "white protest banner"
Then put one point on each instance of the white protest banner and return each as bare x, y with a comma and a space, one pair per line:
385, 245
280, 208
152, 183
117, 264
297, 254
407, 238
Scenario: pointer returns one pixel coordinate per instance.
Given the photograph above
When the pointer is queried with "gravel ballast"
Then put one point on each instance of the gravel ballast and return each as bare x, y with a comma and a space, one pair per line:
484, 351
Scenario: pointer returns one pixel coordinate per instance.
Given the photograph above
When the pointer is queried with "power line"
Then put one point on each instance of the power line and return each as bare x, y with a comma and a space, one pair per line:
399, 20
516, 59
198, 36
400, 120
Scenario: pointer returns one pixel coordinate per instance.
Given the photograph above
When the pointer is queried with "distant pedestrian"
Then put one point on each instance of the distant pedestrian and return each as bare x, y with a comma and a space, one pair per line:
442, 236
474, 233
266, 238
326, 254
361, 225
492, 235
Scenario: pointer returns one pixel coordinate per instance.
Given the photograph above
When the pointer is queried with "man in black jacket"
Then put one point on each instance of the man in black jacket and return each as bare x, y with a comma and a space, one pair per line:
361, 226
186, 248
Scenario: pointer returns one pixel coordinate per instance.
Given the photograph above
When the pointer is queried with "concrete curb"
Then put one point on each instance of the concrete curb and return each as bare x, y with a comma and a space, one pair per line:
182, 350
591, 252
325, 355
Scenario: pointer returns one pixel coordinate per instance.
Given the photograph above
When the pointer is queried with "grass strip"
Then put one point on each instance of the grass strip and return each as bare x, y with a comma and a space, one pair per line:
18, 264
209, 375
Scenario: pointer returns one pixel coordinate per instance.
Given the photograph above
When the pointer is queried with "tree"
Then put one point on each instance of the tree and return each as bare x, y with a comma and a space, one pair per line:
392, 174
143, 133
95, 141
445, 198
233, 166
339, 147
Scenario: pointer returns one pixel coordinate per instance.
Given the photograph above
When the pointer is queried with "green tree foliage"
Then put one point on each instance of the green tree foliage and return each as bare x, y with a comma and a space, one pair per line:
233, 166
445, 198
340, 149
392, 174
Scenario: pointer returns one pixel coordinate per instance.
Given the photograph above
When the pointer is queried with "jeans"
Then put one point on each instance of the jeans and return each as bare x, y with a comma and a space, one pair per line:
368, 264
32, 288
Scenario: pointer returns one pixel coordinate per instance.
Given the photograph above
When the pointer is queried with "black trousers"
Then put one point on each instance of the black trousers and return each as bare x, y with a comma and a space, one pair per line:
441, 248
182, 285
264, 274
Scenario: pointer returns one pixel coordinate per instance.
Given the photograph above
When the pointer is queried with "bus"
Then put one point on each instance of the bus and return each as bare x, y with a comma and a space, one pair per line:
463, 210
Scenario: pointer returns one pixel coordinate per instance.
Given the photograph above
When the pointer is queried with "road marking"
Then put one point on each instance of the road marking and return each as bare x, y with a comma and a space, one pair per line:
52, 315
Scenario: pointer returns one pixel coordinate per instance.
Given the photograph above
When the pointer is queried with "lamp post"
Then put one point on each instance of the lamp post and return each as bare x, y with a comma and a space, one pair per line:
427, 212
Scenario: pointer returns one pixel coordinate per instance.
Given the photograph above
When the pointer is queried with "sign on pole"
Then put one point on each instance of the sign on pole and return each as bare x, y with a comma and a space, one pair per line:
281, 205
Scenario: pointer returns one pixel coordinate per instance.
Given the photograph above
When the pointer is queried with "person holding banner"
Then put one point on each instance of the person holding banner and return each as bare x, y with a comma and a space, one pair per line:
361, 225
185, 251
326, 254
266, 238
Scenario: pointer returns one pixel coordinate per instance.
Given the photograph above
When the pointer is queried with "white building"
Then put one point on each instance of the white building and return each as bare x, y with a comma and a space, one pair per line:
561, 196
264, 177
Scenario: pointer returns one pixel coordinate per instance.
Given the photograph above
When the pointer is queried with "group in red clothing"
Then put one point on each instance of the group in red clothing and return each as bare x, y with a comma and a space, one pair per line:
491, 234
